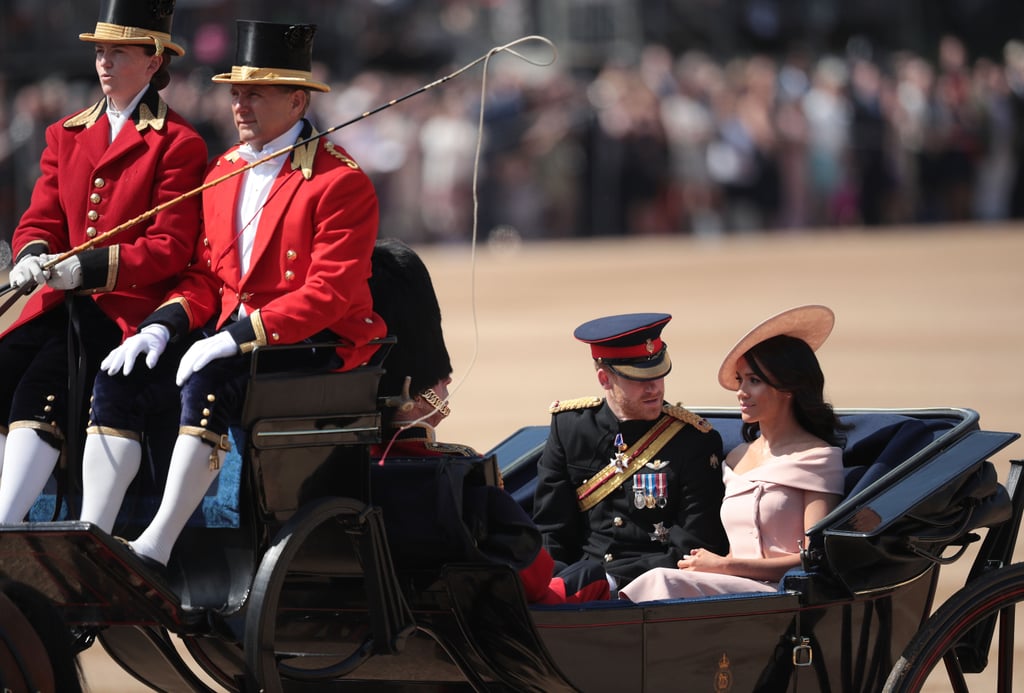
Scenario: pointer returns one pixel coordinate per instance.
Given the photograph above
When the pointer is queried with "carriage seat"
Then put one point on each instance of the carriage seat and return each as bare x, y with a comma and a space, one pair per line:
307, 434
283, 411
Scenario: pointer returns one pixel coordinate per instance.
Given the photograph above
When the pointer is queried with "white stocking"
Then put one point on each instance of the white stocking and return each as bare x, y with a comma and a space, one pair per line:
109, 464
28, 463
188, 479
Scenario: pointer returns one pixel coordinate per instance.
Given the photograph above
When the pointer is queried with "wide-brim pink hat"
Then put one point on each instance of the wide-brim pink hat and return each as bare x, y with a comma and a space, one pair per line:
812, 324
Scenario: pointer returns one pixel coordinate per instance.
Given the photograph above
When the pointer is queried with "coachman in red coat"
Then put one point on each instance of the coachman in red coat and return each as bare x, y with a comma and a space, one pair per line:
101, 167
284, 259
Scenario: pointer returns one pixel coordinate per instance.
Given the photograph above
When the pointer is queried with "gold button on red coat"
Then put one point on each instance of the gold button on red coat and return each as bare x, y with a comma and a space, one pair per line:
95, 198
99, 183
91, 232
289, 275
93, 215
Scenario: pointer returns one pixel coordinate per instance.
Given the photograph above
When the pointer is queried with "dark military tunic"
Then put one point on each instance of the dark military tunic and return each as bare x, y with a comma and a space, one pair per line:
679, 493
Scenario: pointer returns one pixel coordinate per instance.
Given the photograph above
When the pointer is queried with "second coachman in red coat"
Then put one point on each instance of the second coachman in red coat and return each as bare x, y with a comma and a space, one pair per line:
285, 258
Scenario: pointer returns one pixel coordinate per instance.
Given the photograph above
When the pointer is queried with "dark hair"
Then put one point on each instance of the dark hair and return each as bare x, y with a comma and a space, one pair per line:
789, 365
48, 631
162, 77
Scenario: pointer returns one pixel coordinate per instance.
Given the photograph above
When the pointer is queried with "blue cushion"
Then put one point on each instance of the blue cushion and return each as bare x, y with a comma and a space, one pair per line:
219, 508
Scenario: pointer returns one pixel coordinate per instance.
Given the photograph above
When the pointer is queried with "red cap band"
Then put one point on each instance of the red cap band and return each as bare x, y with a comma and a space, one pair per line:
634, 351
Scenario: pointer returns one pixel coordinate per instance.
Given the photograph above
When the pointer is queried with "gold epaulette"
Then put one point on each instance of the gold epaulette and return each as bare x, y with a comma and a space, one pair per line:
579, 403
680, 412
330, 149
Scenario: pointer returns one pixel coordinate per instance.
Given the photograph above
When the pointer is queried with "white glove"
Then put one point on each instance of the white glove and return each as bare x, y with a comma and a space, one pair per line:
151, 341
65, 275
219, 346
28, 272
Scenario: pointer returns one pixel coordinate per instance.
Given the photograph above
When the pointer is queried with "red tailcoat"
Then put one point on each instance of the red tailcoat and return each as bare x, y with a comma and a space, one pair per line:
88, 186
310, 262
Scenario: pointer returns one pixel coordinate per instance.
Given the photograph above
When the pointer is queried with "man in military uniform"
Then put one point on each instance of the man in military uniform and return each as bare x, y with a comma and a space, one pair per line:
417, 372
628, 480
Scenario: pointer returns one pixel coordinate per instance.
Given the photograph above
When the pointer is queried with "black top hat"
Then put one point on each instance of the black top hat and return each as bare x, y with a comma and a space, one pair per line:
404, 296
629, 345
268, 53
135, 22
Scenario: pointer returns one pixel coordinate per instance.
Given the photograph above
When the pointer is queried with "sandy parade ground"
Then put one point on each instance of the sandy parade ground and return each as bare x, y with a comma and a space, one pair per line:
926, 317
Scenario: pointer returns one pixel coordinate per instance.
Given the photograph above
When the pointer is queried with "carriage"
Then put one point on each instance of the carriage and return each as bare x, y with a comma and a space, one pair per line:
312, 568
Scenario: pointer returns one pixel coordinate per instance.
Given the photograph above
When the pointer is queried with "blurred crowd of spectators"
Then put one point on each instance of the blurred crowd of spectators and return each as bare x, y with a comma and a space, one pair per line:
675, 144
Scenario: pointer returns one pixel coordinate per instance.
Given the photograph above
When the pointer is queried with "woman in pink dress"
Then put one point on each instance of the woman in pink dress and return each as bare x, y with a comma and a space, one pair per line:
787, 475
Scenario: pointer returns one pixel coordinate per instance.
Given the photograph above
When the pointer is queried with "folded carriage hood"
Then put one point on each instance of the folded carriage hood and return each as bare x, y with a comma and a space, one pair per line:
911, 514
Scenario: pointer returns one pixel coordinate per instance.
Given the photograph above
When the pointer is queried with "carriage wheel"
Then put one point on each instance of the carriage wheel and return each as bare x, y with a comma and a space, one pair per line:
968, 614
266, 663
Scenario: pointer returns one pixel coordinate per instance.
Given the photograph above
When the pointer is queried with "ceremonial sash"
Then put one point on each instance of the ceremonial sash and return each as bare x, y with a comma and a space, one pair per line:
640, 453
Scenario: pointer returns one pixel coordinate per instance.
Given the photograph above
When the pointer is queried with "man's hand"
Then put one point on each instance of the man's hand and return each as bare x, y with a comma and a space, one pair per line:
28, 272
65, 275
219, 346
151, 341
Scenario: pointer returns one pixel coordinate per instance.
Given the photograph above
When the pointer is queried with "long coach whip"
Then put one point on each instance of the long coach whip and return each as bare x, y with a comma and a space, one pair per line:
100, 238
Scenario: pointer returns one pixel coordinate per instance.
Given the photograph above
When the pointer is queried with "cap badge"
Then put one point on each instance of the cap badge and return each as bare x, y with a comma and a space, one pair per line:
650, 346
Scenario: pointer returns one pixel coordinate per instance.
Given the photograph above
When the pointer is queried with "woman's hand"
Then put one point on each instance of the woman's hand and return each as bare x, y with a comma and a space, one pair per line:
704, 561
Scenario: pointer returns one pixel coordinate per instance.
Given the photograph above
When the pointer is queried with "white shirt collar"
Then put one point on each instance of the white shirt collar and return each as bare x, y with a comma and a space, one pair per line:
249, 154
119, 118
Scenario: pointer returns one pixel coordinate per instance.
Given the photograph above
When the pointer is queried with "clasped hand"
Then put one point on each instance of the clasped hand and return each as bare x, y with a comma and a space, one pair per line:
219, 346
151, 341
703, 560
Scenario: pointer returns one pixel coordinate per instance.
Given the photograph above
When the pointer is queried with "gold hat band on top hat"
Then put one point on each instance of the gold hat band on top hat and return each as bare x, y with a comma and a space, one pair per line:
116, 33
269, 75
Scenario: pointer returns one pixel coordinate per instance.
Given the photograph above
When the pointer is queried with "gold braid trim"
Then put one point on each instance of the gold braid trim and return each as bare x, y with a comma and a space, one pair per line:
113, 266
88, 117
677, 411
260, 331
640, 453
302, 157
329, 147
52, 429
218, 442
148, 120
114, 432
183, 302
579, 403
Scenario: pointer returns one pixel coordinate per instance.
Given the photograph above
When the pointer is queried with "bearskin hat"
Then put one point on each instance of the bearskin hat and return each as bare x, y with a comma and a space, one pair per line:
404, 296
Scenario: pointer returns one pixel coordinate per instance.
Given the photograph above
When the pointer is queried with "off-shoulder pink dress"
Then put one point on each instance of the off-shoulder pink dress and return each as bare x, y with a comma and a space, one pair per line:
763, 515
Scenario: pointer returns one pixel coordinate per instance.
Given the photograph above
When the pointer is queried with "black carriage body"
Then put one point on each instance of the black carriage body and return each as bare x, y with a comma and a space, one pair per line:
323, 586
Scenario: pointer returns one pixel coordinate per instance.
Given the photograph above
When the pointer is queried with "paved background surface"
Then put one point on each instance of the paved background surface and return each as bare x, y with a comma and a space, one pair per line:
925, 318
